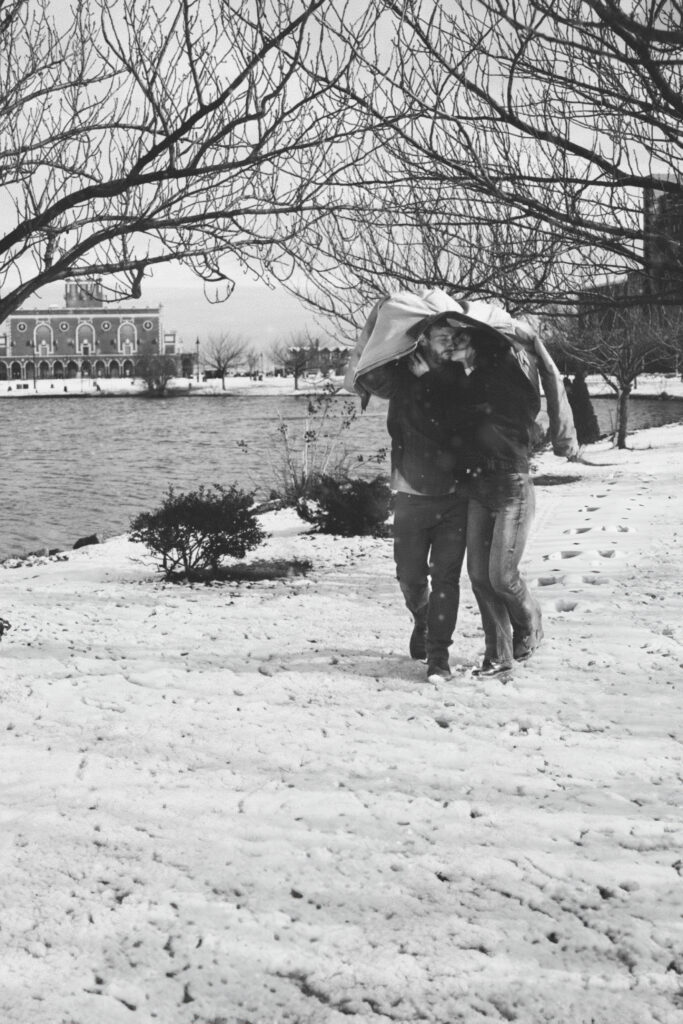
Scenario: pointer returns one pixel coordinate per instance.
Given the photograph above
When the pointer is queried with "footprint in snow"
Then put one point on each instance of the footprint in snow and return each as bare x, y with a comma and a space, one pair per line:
548, 581
596, 580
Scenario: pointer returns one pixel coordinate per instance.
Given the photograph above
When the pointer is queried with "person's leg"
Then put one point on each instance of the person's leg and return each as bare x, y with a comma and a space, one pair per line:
448, 537
412, 541
512, 525
481, 521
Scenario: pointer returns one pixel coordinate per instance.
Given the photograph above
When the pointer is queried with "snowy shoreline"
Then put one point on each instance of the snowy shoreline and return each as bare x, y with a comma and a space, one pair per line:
647, 386
183, 387
42, 551
244, 803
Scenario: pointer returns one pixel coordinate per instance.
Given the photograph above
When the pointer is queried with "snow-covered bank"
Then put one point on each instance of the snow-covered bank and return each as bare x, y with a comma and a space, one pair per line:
648, 385
87, 387
243, 803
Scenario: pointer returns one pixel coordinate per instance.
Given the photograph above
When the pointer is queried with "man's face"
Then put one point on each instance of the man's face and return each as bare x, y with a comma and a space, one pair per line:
449, 345
439, 344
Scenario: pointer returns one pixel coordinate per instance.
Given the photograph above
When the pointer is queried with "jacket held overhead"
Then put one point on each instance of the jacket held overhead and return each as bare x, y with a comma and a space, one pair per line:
397, 321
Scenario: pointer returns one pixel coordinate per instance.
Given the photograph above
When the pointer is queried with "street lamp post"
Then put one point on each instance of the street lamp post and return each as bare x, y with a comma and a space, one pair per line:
197, 358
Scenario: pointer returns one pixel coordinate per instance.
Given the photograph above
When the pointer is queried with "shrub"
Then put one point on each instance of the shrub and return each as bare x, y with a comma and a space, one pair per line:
192, 532
306, 447
345, 506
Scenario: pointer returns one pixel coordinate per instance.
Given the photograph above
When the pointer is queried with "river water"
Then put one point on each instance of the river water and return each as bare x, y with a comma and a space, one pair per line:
72, 467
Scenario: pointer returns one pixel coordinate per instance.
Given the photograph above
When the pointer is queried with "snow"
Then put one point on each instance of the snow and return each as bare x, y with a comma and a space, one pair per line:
650, 385
244, 804
125, 386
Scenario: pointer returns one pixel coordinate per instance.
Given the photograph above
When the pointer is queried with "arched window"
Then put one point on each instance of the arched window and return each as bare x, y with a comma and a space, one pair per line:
72, 369
44, 370
43, 339
114, 368
128, 368
128, 338
16, 371
85, 338
4, 374
58, 369
86, 368
100, 369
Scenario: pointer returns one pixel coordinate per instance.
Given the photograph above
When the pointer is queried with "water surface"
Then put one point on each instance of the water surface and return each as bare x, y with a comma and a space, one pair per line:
76, 466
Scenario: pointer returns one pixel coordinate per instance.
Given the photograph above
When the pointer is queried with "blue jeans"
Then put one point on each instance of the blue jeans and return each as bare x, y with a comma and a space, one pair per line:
429, 540
500, 514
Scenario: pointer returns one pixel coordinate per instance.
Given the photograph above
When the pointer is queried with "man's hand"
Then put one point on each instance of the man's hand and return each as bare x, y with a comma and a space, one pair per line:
417, 364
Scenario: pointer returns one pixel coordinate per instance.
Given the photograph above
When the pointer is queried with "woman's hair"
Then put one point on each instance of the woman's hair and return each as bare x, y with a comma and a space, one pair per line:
489, 349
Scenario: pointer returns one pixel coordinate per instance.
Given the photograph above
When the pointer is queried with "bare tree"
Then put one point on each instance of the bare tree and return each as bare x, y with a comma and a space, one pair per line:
620, 344
413, 237
254, 360
156, 369
512, 146
301, 352
224, 352
137, 132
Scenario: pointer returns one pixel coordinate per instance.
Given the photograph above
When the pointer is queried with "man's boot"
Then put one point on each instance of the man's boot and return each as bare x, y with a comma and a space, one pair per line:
418, 638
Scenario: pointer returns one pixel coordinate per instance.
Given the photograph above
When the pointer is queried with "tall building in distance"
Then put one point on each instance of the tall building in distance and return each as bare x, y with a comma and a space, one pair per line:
663, 245
658, 284
84, 338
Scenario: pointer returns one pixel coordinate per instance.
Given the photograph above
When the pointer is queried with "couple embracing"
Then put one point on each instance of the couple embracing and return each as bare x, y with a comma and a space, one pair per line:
464, 392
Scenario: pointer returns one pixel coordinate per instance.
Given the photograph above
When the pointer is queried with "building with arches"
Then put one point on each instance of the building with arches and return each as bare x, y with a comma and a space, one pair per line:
85, 338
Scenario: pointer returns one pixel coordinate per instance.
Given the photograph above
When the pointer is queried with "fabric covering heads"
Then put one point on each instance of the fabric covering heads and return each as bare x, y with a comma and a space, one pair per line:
396, 322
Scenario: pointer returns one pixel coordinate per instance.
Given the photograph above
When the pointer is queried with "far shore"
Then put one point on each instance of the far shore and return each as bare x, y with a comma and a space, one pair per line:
125, 387
647, 386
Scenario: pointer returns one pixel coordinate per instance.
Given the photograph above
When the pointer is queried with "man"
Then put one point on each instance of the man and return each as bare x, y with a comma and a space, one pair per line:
425, 421
451, 426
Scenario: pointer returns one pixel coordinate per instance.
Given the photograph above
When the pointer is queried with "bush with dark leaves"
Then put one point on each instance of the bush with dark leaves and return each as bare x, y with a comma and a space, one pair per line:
193, 532
346, 506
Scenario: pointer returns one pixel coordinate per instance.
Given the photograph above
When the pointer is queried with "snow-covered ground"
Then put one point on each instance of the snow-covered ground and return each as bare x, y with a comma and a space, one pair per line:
647, 385
103, 387
243, 803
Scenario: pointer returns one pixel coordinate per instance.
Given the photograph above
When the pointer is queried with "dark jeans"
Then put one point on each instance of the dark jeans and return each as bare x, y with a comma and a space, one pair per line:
429, 540
500, 515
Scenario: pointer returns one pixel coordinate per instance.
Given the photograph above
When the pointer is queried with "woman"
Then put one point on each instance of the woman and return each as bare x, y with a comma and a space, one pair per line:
504, 399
